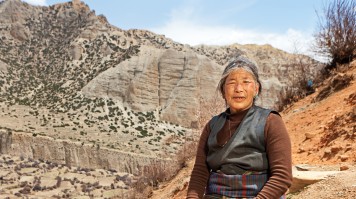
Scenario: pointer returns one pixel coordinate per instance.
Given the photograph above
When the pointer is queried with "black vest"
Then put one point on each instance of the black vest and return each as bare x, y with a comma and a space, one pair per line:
246, 148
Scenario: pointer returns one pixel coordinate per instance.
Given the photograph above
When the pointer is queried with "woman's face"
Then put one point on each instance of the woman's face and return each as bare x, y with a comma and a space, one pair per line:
239, 89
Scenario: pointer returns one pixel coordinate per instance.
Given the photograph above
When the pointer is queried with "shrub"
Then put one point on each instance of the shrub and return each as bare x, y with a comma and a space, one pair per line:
337, 31
112, 128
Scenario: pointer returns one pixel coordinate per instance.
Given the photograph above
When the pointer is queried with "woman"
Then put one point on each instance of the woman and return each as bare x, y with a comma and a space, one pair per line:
245, 152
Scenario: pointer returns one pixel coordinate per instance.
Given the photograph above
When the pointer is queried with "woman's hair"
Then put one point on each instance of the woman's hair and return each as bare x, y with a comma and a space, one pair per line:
239, 63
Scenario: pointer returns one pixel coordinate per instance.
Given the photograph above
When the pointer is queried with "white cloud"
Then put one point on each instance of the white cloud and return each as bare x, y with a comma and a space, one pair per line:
36, 2
187, 26
192, 33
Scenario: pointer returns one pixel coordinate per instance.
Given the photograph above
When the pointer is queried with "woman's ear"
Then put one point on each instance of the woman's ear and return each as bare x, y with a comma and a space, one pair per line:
257, 89
223, 93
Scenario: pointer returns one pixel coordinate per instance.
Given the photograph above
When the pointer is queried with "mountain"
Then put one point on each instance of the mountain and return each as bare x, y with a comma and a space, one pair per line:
66, 50
80, 92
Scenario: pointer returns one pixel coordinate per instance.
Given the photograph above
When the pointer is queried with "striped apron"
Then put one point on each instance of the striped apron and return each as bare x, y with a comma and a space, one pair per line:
221, 186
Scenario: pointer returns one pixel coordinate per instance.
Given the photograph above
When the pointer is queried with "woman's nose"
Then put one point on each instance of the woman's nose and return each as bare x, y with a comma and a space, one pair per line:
238, 87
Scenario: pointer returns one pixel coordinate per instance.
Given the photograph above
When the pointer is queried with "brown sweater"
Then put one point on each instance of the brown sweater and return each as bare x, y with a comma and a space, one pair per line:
278, 147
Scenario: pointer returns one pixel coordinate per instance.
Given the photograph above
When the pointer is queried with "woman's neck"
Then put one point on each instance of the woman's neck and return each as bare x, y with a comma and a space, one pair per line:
236, 116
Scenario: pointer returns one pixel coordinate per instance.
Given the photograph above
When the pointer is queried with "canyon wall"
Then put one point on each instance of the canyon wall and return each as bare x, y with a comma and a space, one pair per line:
74, 154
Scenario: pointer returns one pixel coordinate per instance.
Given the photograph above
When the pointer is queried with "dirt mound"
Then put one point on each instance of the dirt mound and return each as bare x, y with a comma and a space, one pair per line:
322, 125
334, 84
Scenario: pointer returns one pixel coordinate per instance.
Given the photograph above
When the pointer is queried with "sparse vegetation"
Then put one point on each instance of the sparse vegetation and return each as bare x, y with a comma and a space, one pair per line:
44, 176
337, 32
47, 84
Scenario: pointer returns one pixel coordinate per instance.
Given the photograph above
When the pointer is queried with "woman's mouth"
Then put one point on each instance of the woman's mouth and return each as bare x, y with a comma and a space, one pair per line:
238, 98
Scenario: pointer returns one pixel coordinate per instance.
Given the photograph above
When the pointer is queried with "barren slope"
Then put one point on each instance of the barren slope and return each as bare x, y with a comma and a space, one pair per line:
323, 132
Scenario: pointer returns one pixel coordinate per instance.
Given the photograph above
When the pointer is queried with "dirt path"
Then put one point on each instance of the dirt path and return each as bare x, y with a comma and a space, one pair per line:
341, 185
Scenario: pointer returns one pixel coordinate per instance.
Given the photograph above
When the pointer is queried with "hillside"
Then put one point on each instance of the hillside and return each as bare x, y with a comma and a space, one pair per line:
68, 74
79, 96
322, 128
70, 56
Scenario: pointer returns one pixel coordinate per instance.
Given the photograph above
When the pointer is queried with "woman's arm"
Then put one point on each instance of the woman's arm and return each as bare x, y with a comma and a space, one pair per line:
200, 173
279, 153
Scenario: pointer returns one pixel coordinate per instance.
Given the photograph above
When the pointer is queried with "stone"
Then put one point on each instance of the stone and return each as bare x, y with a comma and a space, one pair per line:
304, 167
335, 149
309, 135
301, 150
343, 158
344, 168
327, 151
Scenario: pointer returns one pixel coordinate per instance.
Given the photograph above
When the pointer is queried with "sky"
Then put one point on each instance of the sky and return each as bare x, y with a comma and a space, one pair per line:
285, 24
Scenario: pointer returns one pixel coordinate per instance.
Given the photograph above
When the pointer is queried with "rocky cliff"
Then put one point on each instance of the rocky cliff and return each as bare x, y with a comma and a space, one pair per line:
72, 154
66, 49
67, 74
168, 80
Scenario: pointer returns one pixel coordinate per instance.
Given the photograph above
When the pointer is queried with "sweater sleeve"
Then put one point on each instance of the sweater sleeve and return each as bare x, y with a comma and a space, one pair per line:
200, 172
278, 147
